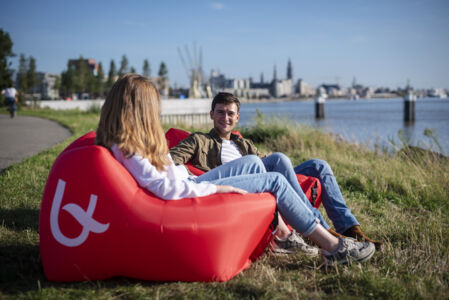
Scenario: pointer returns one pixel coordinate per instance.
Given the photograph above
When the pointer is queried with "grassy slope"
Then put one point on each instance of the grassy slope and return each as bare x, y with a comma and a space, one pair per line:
401, 200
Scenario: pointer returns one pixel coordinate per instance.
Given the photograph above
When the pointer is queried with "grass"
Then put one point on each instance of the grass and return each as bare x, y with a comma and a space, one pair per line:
399, 198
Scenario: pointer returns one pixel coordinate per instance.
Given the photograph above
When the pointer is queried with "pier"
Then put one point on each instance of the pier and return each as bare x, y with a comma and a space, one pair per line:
409, 107
319, 105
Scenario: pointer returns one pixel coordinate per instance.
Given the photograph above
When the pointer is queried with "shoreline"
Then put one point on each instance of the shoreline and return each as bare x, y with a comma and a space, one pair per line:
308, 99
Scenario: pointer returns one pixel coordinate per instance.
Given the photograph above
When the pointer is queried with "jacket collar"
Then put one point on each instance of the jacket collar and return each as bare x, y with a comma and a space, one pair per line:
215, 136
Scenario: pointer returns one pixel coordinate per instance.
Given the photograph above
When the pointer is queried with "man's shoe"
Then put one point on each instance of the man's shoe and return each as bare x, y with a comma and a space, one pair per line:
356, 232
349, 250
336, 234
294, 242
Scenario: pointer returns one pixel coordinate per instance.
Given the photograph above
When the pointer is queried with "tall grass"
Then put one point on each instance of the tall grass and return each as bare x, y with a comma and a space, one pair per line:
412, 176
398, 198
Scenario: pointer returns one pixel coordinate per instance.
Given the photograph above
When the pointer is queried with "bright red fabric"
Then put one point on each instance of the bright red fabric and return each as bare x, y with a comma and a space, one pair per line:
105, 225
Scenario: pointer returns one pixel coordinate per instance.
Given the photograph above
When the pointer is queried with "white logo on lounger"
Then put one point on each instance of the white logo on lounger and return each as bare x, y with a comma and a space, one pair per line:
83, 217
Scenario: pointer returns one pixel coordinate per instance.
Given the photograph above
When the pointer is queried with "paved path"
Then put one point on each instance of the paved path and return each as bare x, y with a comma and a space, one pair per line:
25, 136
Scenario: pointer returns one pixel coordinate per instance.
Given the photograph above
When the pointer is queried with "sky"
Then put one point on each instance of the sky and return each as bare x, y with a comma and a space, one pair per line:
380, 43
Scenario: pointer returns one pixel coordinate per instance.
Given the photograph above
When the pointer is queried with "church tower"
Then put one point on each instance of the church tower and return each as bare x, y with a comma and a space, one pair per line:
275, 75
289, 70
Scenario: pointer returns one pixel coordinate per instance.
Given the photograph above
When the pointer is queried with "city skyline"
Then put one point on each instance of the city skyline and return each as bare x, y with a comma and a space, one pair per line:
381, 44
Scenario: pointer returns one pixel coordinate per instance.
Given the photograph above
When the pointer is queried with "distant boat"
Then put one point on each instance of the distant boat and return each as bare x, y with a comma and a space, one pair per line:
437, 93
354, 97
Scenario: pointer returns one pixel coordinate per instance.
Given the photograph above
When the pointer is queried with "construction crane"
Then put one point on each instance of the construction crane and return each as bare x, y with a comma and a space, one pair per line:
199, 86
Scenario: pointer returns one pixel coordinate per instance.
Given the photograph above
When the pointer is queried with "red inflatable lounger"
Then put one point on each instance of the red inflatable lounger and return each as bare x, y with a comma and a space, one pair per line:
96, 223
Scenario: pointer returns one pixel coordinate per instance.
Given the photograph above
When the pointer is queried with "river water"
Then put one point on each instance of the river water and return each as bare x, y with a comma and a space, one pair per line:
369, 122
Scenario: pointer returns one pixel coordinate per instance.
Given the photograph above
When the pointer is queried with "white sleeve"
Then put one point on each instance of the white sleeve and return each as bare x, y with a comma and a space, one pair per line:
160, 184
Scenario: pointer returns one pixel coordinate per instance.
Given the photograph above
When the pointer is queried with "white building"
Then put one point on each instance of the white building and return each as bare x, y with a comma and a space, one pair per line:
46, 88
303, 89
282, 88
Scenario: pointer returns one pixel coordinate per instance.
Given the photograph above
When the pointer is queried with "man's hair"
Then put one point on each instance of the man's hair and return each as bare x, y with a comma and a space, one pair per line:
225, 98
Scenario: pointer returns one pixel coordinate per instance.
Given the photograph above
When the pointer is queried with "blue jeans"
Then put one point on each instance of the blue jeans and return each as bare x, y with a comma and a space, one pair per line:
248, 173
331, 196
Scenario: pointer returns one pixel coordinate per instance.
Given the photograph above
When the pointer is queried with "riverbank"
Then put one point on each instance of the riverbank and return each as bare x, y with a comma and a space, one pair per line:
312, 98
397, 199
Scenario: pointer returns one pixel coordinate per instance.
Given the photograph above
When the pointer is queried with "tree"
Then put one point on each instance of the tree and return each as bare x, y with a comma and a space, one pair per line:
111, 76
146, 71
31, 75
123, 66
67, 80
5, 52
58, 84
78, 79
162, 81
132, 70
21, 79
99, 81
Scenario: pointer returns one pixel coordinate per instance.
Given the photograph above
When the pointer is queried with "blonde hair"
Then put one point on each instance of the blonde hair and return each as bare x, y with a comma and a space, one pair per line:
130, 118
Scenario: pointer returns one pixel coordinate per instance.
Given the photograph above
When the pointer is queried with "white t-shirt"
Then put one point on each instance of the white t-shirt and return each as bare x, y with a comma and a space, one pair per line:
229, 151
10, 92
171, 184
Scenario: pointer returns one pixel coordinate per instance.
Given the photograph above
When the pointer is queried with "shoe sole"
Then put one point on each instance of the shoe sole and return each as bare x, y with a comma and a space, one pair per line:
285, 251
330, 263
281, 251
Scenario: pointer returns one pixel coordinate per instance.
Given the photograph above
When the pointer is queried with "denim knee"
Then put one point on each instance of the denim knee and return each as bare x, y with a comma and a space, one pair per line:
255, 161
320, 166
278, 160
281, 157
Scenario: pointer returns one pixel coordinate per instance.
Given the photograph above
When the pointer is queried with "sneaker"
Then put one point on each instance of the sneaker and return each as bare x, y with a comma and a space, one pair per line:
349, 250
357, 233
336, 234
294, 242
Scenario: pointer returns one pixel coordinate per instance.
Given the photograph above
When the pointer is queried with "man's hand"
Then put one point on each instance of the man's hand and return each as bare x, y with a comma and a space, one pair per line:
230, 189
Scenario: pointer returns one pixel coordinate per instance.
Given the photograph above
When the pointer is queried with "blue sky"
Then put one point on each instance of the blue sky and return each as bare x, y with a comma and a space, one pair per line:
381, 43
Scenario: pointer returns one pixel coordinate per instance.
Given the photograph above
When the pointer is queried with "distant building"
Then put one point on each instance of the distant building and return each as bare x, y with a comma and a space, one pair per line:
217, 82
48, 85
46, 88
333, 90
303, 89
240, 87
289, 70
282, 88
243, 88
237, 83
90, 63
246, 88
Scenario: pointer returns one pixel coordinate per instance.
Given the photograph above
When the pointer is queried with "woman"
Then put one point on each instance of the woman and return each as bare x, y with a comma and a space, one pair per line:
130, 127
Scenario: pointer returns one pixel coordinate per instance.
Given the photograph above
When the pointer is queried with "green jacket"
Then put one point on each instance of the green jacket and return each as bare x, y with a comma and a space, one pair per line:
203, 150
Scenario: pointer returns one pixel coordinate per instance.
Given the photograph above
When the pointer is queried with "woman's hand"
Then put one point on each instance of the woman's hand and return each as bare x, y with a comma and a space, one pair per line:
230, 189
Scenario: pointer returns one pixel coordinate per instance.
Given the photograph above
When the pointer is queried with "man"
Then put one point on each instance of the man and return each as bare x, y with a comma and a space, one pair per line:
11, 99
209, 150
